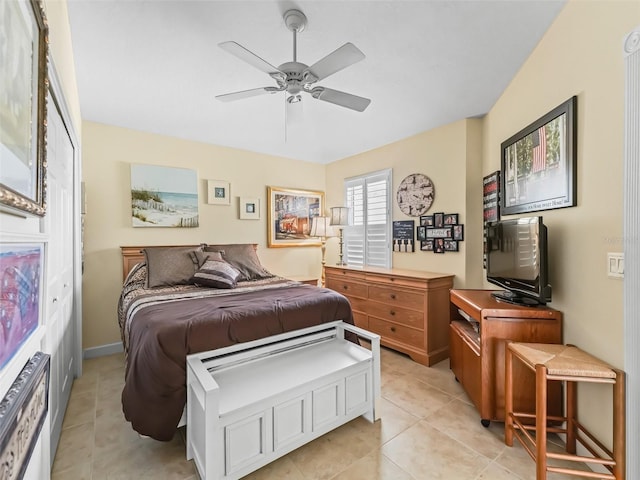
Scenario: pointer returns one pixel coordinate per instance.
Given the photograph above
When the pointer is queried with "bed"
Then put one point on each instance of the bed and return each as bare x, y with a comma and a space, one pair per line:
163, 317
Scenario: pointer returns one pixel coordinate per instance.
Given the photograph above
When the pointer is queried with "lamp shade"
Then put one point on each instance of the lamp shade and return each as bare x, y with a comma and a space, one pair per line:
321, 227
340, 216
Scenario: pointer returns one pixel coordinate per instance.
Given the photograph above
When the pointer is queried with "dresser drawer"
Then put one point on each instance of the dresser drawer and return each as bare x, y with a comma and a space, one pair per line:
396, 314
392, 296
396, 280
350, 289
398, 333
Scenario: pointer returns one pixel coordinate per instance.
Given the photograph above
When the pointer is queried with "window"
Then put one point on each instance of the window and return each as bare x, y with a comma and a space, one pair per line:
367, 238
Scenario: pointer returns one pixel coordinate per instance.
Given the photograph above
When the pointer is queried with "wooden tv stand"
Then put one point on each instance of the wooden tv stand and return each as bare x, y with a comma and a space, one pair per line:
480, 327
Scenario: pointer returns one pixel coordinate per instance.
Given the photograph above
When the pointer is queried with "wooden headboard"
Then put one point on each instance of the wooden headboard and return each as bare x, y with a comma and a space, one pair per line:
133, 255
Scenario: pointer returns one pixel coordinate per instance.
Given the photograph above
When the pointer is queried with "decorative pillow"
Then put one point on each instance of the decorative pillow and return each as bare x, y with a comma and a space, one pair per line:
200, 257
242, 256
216, 274
168, 266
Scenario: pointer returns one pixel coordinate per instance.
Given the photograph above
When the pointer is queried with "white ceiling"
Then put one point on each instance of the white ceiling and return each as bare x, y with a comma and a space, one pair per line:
155, 66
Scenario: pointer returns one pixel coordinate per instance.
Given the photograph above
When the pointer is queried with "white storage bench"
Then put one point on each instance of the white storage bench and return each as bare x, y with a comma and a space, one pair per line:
253, 402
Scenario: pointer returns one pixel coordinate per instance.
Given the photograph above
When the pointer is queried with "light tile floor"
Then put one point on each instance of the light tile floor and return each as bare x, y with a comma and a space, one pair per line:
428, 430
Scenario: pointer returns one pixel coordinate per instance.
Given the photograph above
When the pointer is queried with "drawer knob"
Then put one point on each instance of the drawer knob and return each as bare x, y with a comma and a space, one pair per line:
392, 312
393, 329
346, 287
393, 296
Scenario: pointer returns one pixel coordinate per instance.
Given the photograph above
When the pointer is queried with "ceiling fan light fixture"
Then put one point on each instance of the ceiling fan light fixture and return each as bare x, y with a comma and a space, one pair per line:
295, 77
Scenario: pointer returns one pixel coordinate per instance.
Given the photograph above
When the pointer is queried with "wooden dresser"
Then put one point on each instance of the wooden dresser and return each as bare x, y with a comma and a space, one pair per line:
480, 328
409, 309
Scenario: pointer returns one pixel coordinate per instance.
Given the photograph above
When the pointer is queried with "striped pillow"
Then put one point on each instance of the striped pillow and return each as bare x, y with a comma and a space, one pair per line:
216, 274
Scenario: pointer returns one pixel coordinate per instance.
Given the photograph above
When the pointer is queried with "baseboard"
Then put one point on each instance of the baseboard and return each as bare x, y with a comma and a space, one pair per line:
103, 350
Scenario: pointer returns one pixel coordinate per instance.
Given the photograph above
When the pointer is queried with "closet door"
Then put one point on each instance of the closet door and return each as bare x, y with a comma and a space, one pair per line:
59, 224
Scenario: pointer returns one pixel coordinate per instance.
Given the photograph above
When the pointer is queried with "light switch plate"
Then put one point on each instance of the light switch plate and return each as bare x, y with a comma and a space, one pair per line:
615, 264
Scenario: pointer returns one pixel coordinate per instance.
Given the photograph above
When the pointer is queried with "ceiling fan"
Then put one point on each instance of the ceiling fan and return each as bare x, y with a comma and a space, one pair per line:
296, 77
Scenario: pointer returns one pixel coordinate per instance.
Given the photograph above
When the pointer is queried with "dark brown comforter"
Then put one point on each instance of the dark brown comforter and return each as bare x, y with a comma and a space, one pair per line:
159, 333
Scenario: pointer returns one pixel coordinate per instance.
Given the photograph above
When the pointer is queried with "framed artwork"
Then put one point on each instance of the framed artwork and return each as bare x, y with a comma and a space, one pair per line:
440, 232
21, 270
444, 232
426, 220
403, 236
458, 232
426, 246
22, 413
450, 246
491, 197
249, 208
539, 163
218, 192
450, 219
163, 196
23, 109
289, 214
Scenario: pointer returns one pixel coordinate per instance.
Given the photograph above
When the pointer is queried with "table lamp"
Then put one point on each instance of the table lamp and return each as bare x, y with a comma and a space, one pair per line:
340, 219
321, 228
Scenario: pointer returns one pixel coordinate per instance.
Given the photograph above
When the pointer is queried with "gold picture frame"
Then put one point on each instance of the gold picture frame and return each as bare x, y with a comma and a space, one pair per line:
289, 216
23, 107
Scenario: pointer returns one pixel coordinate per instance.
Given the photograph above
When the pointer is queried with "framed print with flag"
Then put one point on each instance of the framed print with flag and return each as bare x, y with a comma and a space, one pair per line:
539, 163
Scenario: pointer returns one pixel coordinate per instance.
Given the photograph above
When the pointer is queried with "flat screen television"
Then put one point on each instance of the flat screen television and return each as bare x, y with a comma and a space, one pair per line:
517, 260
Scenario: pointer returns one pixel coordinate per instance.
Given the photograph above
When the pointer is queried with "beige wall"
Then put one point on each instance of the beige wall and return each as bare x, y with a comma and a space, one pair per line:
581, 55
108, 153
61, 53
443, 154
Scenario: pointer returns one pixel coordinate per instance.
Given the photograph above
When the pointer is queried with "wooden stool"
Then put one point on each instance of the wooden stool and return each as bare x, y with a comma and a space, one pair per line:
571, 365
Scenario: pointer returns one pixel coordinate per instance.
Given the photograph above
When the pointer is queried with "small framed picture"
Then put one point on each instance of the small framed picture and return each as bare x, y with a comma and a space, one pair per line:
249, 208
438, 220
444, 232
421, 232
218, 192
426, 220
458, 232
450, 246
438, 245
426, 246
450, 218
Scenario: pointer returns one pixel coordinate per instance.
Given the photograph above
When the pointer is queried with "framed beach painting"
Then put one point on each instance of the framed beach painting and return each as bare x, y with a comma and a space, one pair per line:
21, 268
290, 213
163, 196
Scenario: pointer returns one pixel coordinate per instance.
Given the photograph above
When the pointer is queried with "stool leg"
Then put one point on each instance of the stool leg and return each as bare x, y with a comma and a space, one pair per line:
571, 415
508, 397
619, 427
541, 422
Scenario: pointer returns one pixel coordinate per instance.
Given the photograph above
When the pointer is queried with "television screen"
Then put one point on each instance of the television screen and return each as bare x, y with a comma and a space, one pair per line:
517, 260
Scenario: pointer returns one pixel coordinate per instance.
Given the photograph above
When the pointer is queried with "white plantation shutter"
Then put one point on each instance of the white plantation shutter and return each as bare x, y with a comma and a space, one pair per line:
367, 238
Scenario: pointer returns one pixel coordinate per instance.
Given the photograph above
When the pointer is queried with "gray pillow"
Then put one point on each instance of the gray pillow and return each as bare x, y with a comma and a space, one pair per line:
200, 257
243, 256
216, 274
168, 266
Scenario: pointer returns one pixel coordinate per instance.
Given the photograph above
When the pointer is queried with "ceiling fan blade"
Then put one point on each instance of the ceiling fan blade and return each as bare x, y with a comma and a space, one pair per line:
346, 55
343, 99
251, 58
229, 97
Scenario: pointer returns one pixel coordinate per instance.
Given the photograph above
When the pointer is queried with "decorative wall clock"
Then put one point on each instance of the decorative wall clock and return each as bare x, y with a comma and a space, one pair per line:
415, 194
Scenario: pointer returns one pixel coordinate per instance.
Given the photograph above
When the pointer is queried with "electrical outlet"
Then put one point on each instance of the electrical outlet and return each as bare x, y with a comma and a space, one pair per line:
615, 264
